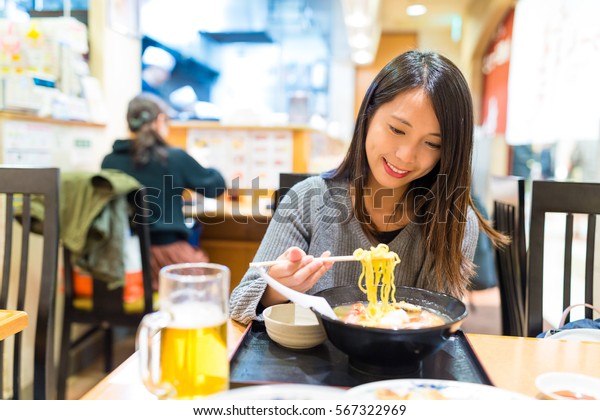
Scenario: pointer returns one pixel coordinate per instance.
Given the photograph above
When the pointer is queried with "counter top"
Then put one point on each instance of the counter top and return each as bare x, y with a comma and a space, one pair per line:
219, 125
15, 115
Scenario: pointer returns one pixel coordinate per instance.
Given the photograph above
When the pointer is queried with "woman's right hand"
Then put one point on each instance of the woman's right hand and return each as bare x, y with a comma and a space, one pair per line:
298, 271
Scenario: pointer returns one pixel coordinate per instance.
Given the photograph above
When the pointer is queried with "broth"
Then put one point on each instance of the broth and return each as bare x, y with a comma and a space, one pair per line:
400, 315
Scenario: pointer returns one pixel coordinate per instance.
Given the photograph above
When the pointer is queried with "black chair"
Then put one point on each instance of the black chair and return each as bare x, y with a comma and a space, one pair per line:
559, 197
508, 196
106, 308
286, 181
32, 280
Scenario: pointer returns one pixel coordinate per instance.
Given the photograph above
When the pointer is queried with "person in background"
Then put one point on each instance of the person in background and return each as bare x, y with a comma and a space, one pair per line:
165, 171
583, 164
405, 182
485, 265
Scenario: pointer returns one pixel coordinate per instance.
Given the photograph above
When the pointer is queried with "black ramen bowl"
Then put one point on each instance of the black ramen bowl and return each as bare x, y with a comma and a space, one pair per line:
389, 352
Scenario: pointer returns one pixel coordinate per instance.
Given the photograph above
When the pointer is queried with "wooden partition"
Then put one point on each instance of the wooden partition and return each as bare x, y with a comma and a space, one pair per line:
232, 233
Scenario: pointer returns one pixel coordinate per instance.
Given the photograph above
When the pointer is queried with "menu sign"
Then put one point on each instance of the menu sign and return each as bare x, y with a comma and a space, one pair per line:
246, 158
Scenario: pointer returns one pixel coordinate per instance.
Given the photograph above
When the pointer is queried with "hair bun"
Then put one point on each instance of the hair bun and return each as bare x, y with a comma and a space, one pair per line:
135, 123
144, 118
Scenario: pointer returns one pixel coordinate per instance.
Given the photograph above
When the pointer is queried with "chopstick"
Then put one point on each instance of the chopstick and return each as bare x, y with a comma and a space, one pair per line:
324, 259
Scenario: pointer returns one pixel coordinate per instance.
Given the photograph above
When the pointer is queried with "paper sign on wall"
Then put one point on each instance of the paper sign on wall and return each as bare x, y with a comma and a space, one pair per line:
244, 155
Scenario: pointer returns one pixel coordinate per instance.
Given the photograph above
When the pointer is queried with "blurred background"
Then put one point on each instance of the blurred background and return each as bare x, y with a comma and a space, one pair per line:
262, 87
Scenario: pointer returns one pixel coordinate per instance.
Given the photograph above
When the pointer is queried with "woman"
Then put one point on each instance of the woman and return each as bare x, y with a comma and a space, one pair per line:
405, 181
165, 172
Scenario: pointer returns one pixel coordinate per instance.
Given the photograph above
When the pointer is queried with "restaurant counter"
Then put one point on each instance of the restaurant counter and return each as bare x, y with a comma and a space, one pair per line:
27, 139
310, 148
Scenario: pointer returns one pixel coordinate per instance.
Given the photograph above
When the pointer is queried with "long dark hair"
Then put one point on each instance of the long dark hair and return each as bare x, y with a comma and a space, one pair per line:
442, 196
143, 110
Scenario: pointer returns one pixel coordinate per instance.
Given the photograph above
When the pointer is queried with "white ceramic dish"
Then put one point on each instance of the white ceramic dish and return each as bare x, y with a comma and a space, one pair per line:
575, 385
281, 392
424, 389
579, 334
293, 326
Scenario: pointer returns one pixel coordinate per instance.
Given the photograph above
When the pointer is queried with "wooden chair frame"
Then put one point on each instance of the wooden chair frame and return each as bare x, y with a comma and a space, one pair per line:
508, 195
559, 197
21, 183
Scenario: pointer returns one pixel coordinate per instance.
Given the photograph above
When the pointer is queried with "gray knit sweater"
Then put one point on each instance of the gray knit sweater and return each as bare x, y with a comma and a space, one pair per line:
316, 216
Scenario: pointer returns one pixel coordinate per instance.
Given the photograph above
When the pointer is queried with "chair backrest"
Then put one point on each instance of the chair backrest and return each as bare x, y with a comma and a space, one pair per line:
508, 215
31, 280
107, 302
286, 181
568, 198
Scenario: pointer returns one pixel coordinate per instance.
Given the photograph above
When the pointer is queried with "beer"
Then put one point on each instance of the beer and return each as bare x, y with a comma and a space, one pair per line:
183, 346
194, 361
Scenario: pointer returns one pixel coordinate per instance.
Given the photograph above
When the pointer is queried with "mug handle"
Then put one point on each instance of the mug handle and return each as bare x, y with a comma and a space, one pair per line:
148, 346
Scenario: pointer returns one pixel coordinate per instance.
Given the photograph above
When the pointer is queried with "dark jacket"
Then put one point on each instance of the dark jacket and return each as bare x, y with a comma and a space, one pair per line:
165, 181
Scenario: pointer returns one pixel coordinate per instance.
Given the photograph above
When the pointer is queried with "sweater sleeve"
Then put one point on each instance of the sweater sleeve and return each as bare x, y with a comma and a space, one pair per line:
206, 181
288, 227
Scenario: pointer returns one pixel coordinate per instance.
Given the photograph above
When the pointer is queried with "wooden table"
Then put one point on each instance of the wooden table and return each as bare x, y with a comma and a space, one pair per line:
11, 322
512, 363
125, 383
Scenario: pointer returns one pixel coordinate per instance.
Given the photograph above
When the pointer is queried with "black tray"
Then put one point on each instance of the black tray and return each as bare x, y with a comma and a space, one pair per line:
260, 360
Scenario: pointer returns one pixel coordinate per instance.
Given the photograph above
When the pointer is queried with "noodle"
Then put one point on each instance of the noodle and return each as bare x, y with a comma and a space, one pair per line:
378, 269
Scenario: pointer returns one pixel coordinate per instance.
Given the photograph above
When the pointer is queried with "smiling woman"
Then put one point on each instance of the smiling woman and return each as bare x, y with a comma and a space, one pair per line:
403, 144
405, 182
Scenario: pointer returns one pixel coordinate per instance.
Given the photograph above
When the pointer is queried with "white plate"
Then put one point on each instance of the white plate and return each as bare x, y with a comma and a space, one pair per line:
281, 392
432, 388
550, 382
580, 334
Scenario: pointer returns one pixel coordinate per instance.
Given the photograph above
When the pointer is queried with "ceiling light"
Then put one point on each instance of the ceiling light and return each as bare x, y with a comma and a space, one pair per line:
362, 57
416, 10
358, 19
359, 41
456, 28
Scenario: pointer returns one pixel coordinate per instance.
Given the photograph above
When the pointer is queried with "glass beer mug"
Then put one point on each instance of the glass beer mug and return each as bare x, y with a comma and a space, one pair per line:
183, 346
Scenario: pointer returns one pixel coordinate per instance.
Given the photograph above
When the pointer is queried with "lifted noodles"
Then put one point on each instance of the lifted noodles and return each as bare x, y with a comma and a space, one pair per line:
382, 310
378, 268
